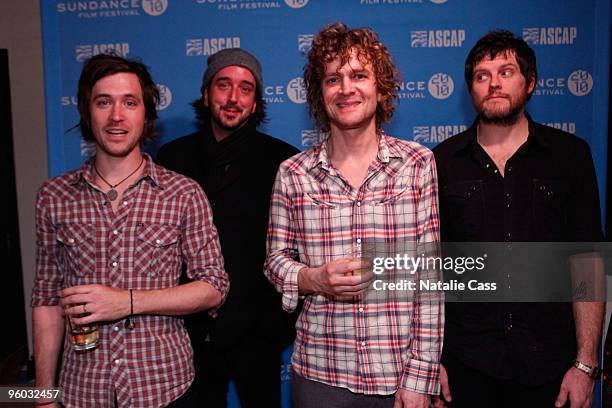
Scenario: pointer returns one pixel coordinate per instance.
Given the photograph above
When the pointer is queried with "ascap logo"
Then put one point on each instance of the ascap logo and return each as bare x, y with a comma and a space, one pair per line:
441, 86
569, 127
296, 91
208, 46
411, 90
436, 133
580, 82
296, 4
305, 43
165, 97
389, 2
112, 8
311, 137
86, 51
234, 5
437, 38
550, 35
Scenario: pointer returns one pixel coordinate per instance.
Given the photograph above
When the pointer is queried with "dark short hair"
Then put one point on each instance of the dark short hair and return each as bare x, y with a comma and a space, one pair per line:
501, 42
103, 65
337, 40
203, 112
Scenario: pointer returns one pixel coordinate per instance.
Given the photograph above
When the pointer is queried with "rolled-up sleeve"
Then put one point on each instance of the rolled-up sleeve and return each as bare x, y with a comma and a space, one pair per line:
281, 267
200, 244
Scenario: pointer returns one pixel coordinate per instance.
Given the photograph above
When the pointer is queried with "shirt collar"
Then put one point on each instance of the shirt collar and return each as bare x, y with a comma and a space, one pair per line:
86, 173
385, 153
471, 133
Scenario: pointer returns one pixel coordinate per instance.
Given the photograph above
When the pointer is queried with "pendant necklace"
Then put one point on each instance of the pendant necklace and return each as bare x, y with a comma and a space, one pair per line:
112, 193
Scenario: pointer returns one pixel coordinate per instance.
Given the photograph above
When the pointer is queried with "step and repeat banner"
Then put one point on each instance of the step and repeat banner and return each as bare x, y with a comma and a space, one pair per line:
429, 40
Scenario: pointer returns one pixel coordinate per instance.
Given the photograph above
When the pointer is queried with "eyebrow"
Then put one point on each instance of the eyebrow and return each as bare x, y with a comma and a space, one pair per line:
244, 81
106, 95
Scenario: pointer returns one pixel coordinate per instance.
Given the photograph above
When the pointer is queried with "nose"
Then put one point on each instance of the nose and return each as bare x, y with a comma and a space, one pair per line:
233, 94
495, 82
117, 112
346, 86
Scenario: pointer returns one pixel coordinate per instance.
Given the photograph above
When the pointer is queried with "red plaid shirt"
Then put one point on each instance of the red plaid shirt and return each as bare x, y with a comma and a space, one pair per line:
163, 220
368, 346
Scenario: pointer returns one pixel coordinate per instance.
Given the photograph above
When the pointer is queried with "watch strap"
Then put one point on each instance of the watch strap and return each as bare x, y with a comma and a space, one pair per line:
592, 372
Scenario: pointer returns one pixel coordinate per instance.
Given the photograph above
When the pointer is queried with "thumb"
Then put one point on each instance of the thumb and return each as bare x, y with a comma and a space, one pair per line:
444, 384
561, 398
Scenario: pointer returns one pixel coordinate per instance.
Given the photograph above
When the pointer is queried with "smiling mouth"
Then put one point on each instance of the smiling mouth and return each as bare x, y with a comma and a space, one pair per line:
348, 104
116, 131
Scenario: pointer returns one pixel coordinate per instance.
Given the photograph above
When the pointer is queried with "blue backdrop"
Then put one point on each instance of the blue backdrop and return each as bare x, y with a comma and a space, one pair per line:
429, 40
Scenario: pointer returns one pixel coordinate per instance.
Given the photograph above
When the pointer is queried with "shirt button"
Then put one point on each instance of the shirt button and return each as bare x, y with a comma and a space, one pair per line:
508, 195
358, 203
118, 361
115, 232
71, 240
361, 309
509, 169
495, 171
488, 165
359, 240
363, 343
114, 264
508, 205
116, 328
508, 236
158, 241
125, 203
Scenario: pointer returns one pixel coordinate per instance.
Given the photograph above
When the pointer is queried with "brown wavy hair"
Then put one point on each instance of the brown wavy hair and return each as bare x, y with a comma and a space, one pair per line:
338, 40
103, 65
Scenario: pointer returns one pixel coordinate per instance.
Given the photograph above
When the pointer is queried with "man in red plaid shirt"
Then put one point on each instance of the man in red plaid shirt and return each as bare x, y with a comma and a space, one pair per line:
112, 236
359, 187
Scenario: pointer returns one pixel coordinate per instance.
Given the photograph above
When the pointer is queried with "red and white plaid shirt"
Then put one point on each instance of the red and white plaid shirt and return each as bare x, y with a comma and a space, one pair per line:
316, 216
163, 219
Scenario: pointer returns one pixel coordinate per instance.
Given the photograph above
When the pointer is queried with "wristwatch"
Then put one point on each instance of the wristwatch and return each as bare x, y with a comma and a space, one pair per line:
592, 372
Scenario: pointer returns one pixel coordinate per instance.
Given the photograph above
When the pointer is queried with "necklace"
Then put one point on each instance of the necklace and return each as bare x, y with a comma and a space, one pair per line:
112, 193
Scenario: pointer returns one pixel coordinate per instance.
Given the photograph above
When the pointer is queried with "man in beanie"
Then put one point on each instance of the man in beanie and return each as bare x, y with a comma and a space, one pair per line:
236, 165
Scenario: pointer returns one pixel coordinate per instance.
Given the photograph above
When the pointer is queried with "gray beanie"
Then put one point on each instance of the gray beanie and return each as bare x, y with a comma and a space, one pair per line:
229, 57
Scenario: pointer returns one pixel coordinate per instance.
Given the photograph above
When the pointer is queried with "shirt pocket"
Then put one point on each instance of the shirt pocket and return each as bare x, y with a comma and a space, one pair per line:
550, 201
78, 248
464, 206
157, 250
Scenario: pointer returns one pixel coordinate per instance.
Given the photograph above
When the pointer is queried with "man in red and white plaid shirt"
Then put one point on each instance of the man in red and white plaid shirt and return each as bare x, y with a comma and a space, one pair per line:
357, 188
112, 237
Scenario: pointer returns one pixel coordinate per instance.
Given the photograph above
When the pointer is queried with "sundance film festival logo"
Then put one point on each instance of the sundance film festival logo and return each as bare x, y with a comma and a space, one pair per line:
550, 35
311, 137
207, 46
235, 5
296, 91
154, 7
165, 97
305, 43
580, 82
86, 51
112, 8
436, 133
441, 86
437, 38
296, 4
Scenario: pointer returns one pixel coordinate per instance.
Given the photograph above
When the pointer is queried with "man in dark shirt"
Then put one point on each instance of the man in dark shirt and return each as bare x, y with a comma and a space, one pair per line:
509, 179
236, 166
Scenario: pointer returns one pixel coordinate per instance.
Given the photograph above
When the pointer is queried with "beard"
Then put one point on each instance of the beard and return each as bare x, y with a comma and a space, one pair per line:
507, 116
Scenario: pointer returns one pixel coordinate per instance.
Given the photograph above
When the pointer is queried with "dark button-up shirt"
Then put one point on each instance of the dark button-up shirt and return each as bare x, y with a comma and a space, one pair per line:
163, 219
548, 193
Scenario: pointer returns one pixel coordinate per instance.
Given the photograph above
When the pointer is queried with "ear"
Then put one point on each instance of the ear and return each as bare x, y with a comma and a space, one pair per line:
531, 87
254, 107
205, 95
